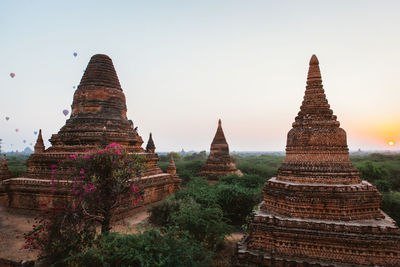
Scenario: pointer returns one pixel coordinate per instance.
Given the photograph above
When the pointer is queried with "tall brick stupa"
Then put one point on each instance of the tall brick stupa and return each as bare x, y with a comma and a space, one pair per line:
219, 163
317, 211
98, 118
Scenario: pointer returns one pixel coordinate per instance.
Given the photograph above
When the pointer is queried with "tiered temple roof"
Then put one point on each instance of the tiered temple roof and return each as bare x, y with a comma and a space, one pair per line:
98, 118
219, 163
317, 211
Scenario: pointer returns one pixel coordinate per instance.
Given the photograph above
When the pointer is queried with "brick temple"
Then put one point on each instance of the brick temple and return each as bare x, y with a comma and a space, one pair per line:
98, 118
219, 163
4, 172
317, 211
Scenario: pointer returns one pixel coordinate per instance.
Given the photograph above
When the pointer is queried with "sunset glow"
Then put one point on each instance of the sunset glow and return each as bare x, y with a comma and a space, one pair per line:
183, 65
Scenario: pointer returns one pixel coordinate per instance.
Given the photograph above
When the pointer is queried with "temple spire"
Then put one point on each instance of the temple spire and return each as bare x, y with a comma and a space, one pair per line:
39, 146
150, 147
314, 73
100, 72
219, 137
314, 108
219, 163
171, 169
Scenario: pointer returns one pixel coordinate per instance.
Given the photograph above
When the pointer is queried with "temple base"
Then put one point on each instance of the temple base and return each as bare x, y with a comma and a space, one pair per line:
28, 196
275, 240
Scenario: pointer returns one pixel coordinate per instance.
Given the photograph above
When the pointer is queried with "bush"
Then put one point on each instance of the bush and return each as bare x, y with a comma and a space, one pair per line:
154, 247
248, 180
199, 190
264, 165
391, 205
62, 231
17, 164
383, 185
185, 169
204, 224
160, 215
372, 172
236, 202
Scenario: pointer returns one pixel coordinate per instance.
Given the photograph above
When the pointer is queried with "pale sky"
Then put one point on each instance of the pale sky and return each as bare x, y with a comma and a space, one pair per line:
185, 64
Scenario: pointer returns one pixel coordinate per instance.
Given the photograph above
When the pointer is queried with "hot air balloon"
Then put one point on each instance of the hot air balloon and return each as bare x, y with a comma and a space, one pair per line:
12, 74
35, 132
65, 112
17, 130
7, 118
24, 141
75, 54
73, 87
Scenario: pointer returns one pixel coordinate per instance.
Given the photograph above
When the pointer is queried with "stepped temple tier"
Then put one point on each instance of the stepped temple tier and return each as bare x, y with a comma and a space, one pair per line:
317, 211
219, 163
98, 118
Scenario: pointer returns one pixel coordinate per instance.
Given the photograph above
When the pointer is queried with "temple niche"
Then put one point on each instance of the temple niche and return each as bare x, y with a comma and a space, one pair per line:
219, 163
98, 118
317, 211
4, 172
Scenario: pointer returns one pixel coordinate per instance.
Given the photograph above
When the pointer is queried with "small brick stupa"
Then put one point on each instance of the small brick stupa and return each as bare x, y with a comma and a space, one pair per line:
317, 211
171, 168
4, 172
219, 163
98, 118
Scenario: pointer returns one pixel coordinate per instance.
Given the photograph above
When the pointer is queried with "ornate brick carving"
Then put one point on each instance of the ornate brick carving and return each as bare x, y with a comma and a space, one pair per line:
219, 162
317, 211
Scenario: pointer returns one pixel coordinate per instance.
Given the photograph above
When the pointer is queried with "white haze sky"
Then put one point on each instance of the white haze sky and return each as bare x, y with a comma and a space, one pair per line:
184, 64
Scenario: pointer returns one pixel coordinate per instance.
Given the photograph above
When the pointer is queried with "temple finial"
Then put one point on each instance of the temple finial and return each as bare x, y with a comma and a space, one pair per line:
314, 60
315, 107
171, 169
219, 137
314, 73
150, 147
39, 146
